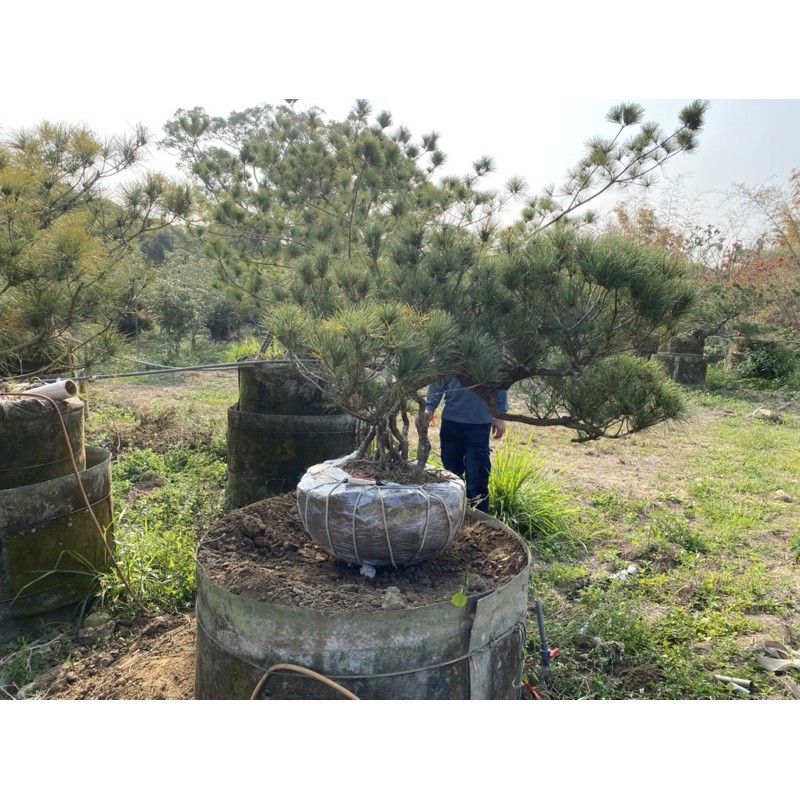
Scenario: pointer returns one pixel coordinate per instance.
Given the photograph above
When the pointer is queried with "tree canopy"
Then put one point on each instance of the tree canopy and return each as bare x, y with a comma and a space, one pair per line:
294, 198
370, 258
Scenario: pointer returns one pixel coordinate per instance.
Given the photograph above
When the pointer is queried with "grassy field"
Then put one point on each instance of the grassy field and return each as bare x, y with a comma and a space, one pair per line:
661, 561
681, 558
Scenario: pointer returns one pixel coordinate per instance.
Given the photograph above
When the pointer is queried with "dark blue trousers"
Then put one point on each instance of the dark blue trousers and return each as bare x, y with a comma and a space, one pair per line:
465, 452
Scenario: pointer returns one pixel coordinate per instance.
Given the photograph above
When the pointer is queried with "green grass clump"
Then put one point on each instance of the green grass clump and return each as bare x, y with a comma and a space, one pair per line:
794, 547
250, 347
22, 659
526, 497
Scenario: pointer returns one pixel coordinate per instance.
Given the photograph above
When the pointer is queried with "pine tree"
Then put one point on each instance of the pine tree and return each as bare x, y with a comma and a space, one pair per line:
69, 259
392, 277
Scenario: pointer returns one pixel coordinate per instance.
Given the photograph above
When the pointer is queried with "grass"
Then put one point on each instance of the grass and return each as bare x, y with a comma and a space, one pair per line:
530, 499
167, 498
169, 482
716, 555
692, 507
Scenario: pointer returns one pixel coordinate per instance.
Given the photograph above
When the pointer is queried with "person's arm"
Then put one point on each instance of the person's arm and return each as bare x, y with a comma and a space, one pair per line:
434, 397
499, 425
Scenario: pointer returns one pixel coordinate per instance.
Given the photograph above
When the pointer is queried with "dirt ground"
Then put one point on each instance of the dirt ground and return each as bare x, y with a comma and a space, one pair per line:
154, 658
262, 552
148, 659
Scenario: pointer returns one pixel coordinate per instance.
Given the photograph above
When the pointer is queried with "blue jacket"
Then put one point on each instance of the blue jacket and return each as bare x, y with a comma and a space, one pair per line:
463, 405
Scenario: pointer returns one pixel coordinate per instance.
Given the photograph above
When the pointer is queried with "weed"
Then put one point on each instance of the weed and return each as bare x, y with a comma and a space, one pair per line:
794, 547
613, 506
671, 528
250, 348
74, 568
23, 660
566, 576
167, 499
158, 563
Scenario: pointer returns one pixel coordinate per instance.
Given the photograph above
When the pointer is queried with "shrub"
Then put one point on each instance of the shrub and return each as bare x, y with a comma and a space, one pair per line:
223, 320
768, 360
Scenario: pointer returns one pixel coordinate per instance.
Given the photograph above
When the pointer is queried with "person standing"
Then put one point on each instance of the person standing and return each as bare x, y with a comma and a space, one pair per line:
467, 428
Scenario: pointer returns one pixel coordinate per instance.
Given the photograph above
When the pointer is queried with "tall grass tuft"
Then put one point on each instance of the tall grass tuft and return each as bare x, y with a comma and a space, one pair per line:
250, 348
528, 498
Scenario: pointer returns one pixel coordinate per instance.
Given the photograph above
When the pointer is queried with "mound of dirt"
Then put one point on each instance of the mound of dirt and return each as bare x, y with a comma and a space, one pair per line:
262, 551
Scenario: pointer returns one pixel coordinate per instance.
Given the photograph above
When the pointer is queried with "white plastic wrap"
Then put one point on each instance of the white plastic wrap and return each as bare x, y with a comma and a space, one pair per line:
379, 525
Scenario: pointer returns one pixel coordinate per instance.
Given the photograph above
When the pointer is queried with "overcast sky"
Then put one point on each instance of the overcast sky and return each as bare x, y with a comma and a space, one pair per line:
528, 86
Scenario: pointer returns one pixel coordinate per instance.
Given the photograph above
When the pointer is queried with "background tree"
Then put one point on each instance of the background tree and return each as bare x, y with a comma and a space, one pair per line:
777, 210
673, 224
70, 264
184, 298
297, 202
754, 293
632, 157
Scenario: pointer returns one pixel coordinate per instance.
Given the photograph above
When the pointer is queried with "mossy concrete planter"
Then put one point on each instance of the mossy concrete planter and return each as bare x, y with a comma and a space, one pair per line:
47, 539
684, 361
269, 453
276, 387
32, 441
435, 652
278, 429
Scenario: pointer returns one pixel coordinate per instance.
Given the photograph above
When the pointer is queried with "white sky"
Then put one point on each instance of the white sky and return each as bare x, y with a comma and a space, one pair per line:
525, 85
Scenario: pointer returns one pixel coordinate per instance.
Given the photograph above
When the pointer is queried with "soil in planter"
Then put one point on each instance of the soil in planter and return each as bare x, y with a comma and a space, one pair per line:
406, 475
262, 551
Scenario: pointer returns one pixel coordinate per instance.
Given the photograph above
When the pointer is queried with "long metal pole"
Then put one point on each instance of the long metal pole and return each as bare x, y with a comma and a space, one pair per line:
167, 370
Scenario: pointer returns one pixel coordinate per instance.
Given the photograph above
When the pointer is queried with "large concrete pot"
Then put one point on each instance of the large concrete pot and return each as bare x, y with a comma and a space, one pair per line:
50, 547
32, 440
435, 651
279, 428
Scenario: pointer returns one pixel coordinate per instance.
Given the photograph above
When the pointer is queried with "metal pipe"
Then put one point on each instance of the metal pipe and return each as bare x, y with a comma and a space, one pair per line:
545, 649
166, 370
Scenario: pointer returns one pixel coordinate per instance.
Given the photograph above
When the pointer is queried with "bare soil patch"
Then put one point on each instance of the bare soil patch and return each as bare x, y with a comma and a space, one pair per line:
146, 659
